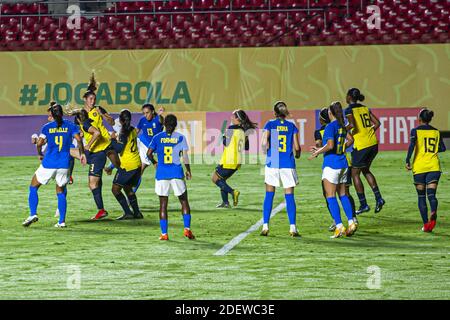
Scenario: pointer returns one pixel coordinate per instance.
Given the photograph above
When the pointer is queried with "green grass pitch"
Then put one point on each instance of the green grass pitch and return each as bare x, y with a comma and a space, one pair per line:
125, 259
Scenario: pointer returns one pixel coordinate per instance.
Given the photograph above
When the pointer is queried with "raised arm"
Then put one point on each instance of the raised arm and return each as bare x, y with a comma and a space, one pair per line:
106, 116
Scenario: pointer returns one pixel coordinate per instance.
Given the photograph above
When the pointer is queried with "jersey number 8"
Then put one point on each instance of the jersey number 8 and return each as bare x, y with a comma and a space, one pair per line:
167, 154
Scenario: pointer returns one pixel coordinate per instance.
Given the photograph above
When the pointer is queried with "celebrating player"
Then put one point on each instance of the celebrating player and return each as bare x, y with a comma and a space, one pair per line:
280, 139
129, 173
363, 125
335, 169
58, 135
100, 149
234, 140
425, 143
170, 146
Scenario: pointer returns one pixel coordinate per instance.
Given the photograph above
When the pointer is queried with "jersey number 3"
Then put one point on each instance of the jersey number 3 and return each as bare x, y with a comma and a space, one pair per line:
282, 140
59, 142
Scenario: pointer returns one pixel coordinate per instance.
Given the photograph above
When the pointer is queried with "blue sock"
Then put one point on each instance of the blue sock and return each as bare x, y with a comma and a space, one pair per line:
377, 193
33, 200
362, 199
136, 187
123, 203
164, 226
423, 209
431, 193
111, 166
267, 208
97, 193
335, 210
291, 208
224, 196
65, 191
224, 186
347, 205
62, 206
187, 220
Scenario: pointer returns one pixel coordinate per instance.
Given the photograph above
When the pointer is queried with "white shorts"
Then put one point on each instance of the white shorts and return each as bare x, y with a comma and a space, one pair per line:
335, 176
44, 175
287, 176
162, 187
143, 153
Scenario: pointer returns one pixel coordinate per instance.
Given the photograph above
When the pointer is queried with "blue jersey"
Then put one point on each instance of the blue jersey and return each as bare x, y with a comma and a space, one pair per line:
281, 143
59, 141
335, 158
168, 148
149, 129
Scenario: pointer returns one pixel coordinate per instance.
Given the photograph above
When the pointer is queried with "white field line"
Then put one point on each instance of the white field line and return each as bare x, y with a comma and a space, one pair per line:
235, 241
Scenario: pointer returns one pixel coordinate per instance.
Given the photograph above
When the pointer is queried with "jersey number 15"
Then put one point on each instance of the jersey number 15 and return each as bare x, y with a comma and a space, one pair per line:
430, 145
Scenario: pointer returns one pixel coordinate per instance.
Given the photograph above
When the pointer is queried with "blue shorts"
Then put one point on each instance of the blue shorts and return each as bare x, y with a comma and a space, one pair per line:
96, 162
363, 158
127, 178
427, 177
224, 173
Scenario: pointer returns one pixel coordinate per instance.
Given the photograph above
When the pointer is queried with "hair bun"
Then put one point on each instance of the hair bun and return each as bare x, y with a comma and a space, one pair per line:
361, 97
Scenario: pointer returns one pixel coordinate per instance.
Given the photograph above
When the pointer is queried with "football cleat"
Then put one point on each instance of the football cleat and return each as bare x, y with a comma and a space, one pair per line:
362, 209
264, 232
188, 234
426, 227
294, 234
351, 229
100, 215
60, 225
432, 222
125, 217
355, 221
379, 205
223, 205
332, 227
236, 194
30, 220
164, 237
339, 232
138, 216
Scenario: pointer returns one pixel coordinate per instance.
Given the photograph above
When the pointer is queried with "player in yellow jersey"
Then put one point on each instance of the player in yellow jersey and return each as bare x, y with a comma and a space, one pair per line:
235, 141
129, 172
425, 143
100, 149
363, 124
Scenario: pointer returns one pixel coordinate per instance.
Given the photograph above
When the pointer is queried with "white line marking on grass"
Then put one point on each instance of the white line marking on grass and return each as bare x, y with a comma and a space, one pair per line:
235, 241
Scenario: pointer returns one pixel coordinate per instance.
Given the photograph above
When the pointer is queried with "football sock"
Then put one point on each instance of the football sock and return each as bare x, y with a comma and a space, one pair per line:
134, 203
292, 228
266, 226
65, 191
328, 207
62, 206
136, 187
335, 210
33, 200
111, 166
97, 193
362, 199
163, 223
431, 193
423, 208
222, 184
352, 202
291, 208
347, 206
123, 203
224, 196
377, 193
339, 226
187, 220
267, 207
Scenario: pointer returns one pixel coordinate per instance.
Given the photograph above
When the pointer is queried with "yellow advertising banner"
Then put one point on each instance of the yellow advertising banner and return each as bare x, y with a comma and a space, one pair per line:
390, 76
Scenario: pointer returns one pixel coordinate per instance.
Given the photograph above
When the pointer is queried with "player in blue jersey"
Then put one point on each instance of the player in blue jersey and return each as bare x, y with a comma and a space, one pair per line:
170, 147
58, 135
335, 168
150, 124
280, 140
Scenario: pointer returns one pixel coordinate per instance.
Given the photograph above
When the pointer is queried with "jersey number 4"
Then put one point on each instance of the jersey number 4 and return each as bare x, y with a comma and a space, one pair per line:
59, 142
430, 145
168, 154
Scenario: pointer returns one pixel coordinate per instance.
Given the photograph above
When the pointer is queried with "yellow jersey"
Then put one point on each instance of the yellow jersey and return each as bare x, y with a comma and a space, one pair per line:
96, 120
427, 143
234, 142
129, 157
363, 132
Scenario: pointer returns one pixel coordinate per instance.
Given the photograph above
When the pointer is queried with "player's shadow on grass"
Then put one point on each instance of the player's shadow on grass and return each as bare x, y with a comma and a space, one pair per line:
147, 221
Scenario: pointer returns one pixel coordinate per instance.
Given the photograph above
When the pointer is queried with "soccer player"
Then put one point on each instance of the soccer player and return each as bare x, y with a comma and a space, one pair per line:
335, 169
425, 143
280, 140
234, 140
363, 124
58, 135
129, 173
150, 124
100, 149
170, 146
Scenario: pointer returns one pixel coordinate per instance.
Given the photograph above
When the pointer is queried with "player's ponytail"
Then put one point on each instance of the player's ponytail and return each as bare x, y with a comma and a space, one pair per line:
426, 115
150, 107
80, 117
245, 121
92, 87
336, 111
57, 114
355, 95
170, 122
125, 121
280, 109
